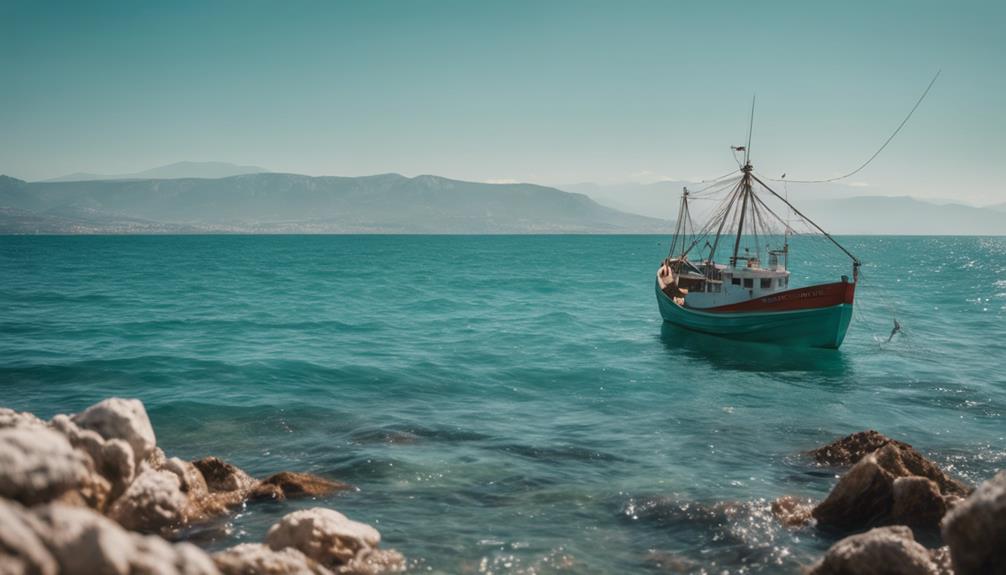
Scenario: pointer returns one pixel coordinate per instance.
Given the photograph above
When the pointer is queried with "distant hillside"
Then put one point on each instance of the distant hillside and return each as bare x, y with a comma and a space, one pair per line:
838, 208
660, 199
171, 171
290, 203
904, 216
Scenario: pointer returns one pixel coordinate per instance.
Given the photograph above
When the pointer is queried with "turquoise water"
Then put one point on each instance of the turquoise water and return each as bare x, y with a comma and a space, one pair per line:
508, 404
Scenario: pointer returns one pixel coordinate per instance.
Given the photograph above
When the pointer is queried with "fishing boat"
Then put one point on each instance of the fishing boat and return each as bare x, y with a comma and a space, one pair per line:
744, 298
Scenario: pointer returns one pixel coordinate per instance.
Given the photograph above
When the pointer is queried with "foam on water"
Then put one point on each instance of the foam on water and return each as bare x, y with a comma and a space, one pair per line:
508, 404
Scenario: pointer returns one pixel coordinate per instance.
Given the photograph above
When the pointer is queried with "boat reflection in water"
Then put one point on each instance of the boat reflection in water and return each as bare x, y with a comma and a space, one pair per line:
748, 357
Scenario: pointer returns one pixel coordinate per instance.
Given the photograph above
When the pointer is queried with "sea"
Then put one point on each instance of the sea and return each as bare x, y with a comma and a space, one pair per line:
509, 404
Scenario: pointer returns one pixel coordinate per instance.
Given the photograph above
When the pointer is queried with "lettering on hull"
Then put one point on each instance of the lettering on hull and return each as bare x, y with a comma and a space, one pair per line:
824, 295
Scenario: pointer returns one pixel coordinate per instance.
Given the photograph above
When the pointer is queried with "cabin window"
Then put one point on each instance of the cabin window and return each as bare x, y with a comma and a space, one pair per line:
782, 283
766, 283
713, 288
735, 281
749, 282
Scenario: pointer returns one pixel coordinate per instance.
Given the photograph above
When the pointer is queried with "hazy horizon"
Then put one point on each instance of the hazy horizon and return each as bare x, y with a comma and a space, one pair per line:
554, 93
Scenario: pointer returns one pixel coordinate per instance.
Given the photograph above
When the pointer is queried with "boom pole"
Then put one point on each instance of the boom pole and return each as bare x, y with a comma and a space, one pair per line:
719, 231
855, 261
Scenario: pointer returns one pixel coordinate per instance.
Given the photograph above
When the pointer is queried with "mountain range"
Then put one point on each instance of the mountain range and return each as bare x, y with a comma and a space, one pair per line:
293, 203
215, 197
838, 208
170, 171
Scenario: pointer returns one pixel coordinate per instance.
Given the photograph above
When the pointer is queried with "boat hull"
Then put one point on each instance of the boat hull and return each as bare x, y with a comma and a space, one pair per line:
823, 327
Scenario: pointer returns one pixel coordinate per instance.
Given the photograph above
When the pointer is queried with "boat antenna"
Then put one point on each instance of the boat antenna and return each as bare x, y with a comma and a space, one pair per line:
787, 229
747, 149
745, 184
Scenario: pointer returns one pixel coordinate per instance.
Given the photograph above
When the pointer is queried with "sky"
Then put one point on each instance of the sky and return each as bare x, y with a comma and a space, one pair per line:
551, 92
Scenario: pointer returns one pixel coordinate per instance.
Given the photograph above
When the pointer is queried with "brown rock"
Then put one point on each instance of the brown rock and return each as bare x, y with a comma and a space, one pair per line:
881, 551
917, 502
203, 501
975, 530
901, 459
292, 484
850, 449
793, 512
892, 485
862, 497
177, 494
223, 476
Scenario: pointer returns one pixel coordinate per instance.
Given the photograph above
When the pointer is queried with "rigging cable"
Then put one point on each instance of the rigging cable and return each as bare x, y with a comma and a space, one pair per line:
717, 179
719, 185
881, 149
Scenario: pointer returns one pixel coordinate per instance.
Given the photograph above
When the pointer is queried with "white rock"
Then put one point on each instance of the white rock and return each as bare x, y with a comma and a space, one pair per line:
10, 418
83, 541
155, 555
261, 560
38, 465
153, 502
124, 419
112, 458
86, 543
21, 550
374, 562
324, 535
333, 540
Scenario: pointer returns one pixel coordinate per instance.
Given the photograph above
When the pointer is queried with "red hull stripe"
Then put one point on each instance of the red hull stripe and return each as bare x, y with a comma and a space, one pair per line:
823, 295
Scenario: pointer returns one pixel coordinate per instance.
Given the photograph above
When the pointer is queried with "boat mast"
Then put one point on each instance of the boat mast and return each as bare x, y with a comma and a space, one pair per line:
786, 231
686, 220
723, 220
745, 185
746, 191
679, 228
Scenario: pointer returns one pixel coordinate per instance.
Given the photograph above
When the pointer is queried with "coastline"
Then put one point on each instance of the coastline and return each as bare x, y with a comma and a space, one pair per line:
92, 493
72, 485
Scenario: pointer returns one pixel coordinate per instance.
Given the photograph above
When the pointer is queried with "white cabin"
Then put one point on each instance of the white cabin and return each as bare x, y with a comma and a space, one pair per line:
708, 285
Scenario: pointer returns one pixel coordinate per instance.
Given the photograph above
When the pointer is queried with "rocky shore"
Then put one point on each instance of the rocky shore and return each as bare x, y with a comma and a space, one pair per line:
888, 495
91, 493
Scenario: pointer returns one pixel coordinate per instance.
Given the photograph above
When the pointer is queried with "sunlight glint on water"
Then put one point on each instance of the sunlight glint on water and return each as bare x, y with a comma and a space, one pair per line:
507, 404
